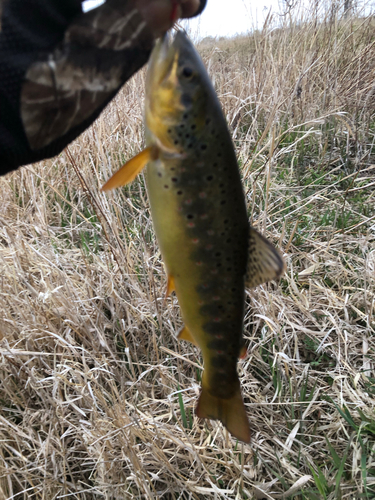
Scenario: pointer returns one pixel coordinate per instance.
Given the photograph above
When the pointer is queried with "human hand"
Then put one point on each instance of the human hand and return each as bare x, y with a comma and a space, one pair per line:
161, 14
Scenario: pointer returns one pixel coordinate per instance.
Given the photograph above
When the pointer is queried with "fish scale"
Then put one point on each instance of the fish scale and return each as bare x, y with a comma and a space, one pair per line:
199, 214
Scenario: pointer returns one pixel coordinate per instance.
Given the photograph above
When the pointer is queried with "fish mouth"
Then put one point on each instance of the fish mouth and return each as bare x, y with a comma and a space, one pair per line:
165, 56
161, 61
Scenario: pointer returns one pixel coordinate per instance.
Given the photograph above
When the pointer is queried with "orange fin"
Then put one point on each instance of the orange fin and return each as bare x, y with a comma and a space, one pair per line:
243, 352
170, 286
184, 334
129, 171
231, 413
264, 262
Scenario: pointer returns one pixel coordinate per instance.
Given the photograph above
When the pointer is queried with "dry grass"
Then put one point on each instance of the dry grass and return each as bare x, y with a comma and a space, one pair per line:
97, 396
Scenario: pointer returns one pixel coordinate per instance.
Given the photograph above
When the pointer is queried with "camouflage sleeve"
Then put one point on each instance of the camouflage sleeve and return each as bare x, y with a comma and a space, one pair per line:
59, 67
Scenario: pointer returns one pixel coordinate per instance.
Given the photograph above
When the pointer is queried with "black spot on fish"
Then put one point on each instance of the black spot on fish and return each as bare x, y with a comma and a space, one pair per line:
219, 155
166, 186
193, 127
209, 177
187, 136
203, 147
208, 121
179, 193
169, 131
223, 202
190, 216
176, 142
159, 174
174, 179
185, 116
190, 145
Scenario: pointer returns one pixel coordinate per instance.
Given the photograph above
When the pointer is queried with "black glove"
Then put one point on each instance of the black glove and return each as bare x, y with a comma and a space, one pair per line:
59, 68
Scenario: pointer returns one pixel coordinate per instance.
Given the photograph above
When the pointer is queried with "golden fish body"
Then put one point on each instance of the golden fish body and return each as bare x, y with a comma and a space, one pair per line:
200, 219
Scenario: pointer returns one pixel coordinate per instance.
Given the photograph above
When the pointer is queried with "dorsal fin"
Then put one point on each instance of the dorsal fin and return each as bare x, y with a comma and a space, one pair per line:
264, 262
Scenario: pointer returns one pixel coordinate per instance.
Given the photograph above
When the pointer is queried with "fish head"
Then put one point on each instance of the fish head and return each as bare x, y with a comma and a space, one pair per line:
176, 89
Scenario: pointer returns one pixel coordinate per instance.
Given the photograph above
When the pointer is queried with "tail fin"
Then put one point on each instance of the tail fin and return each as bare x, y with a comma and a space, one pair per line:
231, 412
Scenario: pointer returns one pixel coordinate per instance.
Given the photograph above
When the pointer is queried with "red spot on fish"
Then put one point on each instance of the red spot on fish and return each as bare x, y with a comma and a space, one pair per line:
216, 297
189, 201
217, 320
209, 247
200, 302
210, 232
219, 352
219, 336
199, 263
190, 224
205, 285
202, 195
214, 271
204, 216
195, 241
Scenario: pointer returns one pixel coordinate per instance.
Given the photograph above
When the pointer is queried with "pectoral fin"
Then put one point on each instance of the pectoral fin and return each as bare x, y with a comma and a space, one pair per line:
264, 263
129, 171
184, 334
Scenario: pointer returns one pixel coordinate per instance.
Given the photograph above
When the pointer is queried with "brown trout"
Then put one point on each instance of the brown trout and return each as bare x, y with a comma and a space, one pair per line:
200, 219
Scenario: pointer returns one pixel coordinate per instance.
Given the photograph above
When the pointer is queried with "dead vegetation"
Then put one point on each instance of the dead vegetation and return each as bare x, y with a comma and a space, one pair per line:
97, 396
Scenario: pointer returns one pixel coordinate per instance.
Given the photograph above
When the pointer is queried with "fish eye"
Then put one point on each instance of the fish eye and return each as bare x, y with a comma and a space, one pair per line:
187, 72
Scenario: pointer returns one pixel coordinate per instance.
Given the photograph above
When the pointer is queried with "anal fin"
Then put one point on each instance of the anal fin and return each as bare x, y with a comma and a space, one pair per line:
184, 334
129, 171
264, 261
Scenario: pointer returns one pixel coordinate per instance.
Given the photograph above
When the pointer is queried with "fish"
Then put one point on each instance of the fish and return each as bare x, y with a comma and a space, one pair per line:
200, 219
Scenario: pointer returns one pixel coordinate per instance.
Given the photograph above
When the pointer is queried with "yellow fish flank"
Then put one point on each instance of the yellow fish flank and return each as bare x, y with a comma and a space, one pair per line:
200, 219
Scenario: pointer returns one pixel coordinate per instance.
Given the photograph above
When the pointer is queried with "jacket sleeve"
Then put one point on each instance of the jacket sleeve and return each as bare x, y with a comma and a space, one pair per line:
59, 67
